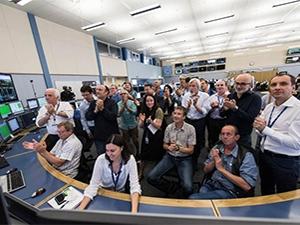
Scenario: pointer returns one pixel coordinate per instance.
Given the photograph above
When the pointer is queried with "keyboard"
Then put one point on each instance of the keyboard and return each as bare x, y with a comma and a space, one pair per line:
16, 138
14, 181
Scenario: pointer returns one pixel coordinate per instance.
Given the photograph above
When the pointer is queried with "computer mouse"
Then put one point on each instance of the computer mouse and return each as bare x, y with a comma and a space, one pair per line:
11, 170
38, 192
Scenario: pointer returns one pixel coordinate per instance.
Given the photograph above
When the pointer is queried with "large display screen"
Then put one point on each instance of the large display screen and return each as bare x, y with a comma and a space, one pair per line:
7, 89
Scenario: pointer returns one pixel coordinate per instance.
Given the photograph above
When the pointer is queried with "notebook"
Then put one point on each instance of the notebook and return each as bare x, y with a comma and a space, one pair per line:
69, 198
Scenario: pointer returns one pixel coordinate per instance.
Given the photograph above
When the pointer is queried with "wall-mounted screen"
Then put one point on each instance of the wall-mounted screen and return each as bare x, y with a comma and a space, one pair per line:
7, 89
4, 111
293, 51
292, 59
16, 107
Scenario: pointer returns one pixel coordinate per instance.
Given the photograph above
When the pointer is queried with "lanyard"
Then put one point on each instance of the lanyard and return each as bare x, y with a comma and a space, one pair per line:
270, 124
54, 115
115, 180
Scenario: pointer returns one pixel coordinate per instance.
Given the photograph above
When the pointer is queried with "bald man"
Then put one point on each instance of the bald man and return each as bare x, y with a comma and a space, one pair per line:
104, 112
241, 107
53, 113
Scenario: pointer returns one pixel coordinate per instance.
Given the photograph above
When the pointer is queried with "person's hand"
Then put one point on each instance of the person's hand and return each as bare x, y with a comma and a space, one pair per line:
214, 104
214, 152
149, 120
230, 103
259, 123
172, 147
30, 145
190, 103
99, 105
195, 100
142, 117
218, 163
40, 147
50, 108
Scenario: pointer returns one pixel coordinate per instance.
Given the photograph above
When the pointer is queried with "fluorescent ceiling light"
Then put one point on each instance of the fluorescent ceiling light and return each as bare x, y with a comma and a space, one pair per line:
285, 3
123, 41
176, 42
93, 26
165, 31
216, 35
145, 10
221, 18
20, 2
269, 24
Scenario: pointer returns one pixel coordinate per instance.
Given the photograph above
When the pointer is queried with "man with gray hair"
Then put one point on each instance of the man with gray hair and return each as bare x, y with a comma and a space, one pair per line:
193, 102
53, 113
241, 107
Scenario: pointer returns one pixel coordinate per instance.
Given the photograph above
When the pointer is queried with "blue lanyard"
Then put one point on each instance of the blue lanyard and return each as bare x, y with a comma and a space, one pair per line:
115, 180
270, 124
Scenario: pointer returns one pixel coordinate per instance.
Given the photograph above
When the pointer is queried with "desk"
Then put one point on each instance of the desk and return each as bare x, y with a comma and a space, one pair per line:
38, 173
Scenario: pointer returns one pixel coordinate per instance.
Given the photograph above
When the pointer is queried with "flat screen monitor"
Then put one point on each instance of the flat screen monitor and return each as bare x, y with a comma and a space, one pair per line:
14, 125
16, 107
28, 119
7, 89
42, 101
4, 111
32, 103
4, 130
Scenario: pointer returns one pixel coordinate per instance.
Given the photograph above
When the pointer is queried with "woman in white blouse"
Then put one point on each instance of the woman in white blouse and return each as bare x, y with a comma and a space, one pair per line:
112, 170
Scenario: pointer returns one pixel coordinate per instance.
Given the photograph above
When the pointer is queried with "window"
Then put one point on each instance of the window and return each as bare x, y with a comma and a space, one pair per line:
115, 52
103, 48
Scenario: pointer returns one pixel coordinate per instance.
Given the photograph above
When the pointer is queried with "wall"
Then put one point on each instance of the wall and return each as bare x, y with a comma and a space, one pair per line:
139, 70
67, 51
113, 67
17, 48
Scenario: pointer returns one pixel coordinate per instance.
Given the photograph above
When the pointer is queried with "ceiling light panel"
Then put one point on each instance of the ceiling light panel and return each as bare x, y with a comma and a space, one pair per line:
219, 19
93, 26
145, 10
285, 3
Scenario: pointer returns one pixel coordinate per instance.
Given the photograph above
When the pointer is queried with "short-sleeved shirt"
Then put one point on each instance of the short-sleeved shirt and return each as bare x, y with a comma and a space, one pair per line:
184, 136
55, 119
70, 151
127, 118
248, 169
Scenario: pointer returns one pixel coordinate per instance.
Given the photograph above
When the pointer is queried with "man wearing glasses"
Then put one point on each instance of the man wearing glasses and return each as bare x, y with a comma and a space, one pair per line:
241, 107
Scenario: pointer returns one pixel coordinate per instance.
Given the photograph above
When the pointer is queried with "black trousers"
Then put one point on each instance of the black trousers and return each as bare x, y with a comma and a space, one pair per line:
199, 126
51, 141
278, 173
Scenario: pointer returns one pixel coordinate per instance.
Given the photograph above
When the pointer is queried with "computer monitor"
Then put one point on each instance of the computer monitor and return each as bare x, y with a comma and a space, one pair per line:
4, 110
16, 107
4, 130
3, 209
14, 125
42, 101
32, 103
28, 119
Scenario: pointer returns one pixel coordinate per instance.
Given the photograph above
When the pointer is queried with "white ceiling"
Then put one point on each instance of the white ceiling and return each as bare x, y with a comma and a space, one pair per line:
192, 37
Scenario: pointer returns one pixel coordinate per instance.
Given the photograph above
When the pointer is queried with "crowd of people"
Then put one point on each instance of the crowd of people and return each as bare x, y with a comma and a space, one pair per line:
174, 122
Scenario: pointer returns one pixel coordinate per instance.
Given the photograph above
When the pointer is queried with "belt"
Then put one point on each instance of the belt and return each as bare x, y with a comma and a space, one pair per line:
277, 155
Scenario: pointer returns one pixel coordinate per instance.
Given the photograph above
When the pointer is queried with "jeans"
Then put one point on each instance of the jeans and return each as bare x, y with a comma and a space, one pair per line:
184, 168
100, 147
208, 191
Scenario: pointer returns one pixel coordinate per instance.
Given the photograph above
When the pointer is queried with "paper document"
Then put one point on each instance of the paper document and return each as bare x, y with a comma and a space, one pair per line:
69, 198
152, 128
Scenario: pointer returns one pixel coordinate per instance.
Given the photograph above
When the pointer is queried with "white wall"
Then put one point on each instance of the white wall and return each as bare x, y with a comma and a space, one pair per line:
67, 51
139, 70
113, 67
17, 48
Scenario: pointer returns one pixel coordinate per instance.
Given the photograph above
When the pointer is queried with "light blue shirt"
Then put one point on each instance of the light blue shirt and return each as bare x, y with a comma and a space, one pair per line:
127, 118
248, 169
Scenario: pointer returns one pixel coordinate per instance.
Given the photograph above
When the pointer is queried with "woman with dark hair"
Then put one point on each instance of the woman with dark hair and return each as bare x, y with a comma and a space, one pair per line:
112, 170
151, 119
168, 104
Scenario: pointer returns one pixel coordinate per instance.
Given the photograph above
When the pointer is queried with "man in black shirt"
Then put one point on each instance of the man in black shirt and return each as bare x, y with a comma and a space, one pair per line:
104, 112
241, 107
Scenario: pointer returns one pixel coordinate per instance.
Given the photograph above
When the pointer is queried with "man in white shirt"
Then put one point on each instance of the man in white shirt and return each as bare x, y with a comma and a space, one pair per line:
65, 155
53, 113
279, 125
194, 103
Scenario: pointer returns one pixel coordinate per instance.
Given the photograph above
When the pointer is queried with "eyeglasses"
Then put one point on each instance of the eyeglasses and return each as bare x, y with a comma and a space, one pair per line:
241, 84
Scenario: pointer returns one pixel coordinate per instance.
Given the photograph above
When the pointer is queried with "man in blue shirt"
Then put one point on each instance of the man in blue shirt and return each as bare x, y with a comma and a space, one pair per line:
232, 167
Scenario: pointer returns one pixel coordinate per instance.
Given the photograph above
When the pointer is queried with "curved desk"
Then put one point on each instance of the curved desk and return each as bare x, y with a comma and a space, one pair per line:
38, 173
